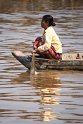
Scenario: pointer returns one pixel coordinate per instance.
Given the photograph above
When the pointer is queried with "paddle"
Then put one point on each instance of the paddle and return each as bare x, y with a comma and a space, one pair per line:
33, 69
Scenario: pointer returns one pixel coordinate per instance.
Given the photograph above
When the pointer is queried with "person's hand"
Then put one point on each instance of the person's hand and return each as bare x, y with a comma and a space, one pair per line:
34, 51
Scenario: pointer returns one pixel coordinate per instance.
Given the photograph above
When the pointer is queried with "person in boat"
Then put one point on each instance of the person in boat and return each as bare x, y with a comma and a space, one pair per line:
49, 45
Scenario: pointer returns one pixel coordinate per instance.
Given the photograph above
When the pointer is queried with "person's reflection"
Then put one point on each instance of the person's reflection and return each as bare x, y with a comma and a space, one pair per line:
49, 85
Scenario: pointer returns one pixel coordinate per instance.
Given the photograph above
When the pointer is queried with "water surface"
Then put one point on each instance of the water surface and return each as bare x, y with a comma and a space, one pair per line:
50, 96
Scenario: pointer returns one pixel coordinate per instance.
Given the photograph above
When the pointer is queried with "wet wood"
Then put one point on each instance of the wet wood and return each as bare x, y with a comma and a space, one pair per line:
70, 61
63, 65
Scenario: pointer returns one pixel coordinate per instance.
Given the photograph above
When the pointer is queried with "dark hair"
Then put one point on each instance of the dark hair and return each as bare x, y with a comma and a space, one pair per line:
49, 19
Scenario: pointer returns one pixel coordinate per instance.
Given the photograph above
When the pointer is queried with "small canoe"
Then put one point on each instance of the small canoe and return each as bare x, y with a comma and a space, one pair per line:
70, 61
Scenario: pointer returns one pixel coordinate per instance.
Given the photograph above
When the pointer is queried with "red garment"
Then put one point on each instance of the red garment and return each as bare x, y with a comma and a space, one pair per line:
50, 53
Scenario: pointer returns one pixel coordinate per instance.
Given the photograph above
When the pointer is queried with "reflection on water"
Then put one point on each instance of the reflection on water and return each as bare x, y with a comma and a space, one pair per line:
47, 89
52, 96
47, 94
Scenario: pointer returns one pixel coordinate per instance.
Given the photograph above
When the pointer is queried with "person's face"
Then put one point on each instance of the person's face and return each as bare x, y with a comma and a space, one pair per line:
44, 24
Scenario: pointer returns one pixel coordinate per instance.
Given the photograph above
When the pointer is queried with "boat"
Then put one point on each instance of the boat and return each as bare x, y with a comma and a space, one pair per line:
69, 61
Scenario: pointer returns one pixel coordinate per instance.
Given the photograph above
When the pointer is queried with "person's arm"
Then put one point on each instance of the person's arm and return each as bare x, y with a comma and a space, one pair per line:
47, 44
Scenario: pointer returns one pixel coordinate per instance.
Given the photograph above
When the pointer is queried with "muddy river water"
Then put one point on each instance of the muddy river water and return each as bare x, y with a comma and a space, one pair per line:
52, 97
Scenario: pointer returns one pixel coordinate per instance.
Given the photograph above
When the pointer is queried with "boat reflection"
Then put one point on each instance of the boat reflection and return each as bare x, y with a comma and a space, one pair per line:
47, 88
48, 82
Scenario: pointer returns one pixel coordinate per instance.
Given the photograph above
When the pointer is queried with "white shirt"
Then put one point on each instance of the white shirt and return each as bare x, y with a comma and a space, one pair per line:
50, 38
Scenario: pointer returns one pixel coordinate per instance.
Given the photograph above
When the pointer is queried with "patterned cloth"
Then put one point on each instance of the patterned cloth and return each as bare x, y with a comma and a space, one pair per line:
50, 53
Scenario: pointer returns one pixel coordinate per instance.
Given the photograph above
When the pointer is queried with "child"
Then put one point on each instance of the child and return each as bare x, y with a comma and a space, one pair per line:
49, 46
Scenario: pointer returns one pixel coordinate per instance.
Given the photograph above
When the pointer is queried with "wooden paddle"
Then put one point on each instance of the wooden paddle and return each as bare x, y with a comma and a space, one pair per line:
33, 69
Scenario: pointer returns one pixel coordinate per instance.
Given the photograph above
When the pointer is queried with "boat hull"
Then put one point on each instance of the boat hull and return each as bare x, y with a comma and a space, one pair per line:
63, 65
70, 61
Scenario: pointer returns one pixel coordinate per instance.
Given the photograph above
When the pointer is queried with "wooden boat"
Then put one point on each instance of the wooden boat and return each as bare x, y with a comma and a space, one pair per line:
70, 61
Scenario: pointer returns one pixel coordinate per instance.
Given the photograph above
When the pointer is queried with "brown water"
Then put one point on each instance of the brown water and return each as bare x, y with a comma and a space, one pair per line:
52, 97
